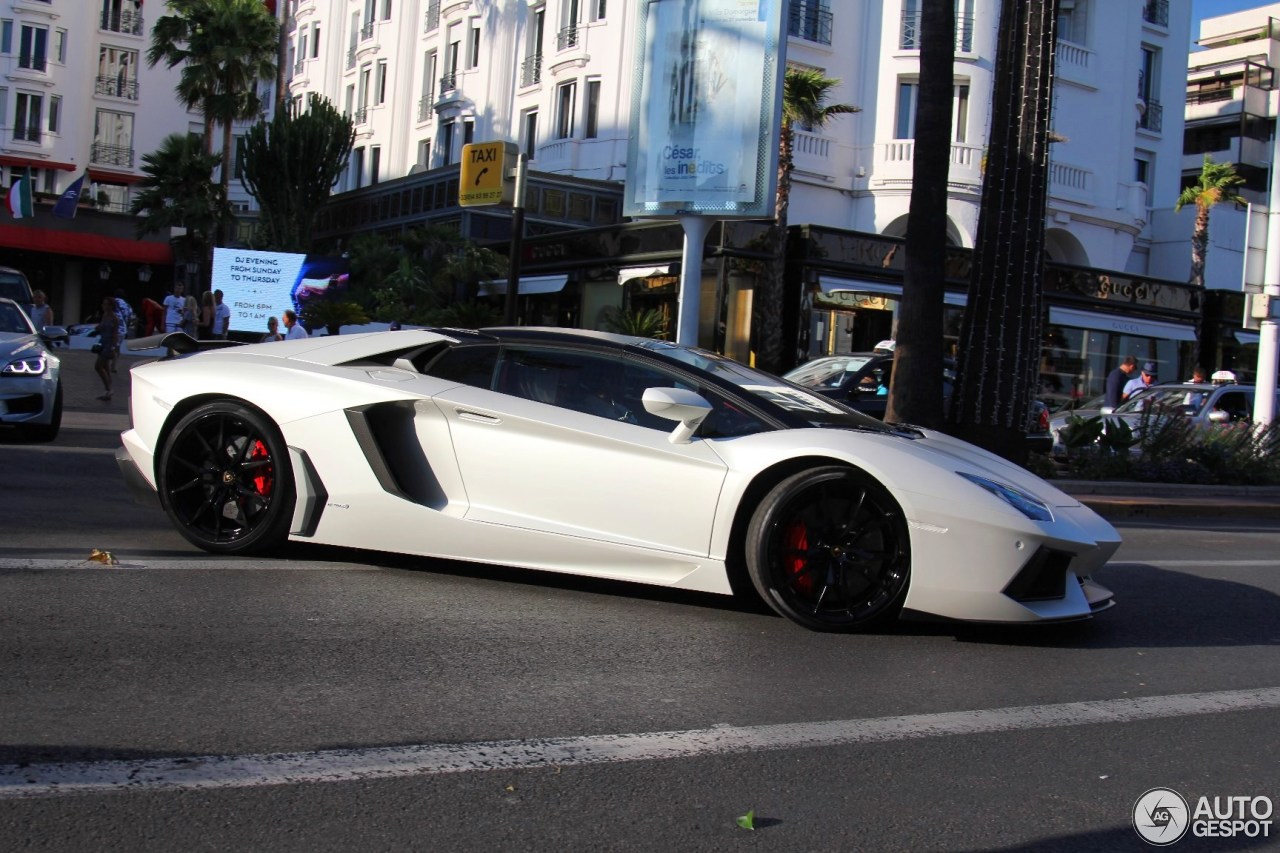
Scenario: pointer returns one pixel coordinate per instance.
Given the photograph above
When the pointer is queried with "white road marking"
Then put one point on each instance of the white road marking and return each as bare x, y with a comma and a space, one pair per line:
348, 765
229, 564
54, 448
1195, 564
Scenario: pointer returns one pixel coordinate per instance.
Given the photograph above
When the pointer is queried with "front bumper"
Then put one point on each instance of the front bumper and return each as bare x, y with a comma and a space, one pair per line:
139, 487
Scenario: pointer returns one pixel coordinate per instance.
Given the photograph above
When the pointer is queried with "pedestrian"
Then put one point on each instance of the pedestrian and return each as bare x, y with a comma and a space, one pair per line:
221, 316
1199, 376
152, 317
190, 315
204, 322
1116, 379
125, 326
1142, 381
41, 310
173, 308
293, 327
108, 343
273, 331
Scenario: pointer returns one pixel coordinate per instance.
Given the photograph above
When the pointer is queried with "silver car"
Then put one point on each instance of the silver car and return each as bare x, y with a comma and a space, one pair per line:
30, 389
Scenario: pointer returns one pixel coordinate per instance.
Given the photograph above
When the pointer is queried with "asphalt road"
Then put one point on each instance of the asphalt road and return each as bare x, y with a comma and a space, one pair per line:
328, 699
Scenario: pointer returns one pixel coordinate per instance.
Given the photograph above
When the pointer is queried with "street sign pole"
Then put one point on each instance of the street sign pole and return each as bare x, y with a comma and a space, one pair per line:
695, 235
517, 242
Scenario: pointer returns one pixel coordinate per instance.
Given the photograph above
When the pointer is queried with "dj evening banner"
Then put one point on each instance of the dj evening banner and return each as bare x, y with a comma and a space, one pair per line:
706, 108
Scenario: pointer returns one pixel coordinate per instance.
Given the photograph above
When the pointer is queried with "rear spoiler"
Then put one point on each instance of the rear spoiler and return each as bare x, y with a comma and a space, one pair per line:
178, 343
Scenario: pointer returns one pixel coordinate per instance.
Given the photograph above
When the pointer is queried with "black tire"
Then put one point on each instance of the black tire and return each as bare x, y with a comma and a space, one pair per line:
829, 548
225, 479
47, 432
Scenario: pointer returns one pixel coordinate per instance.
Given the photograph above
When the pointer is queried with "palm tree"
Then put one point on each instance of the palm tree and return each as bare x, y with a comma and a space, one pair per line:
225, 48
804, 102
918, 356
178, 191
1216, 184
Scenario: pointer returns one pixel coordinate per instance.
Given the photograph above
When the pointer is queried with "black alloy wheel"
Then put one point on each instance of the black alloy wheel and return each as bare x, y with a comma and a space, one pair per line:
226, 481
829, 548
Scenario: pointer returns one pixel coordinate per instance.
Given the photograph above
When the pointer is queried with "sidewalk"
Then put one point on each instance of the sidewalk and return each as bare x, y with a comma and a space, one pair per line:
1112, 500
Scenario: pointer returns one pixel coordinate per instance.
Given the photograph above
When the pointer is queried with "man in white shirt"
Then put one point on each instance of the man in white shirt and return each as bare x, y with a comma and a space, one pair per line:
291, 323
173, 305
221, 316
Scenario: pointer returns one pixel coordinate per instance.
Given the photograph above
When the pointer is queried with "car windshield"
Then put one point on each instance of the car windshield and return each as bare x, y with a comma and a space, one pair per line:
1189, 399
13, 320
815, 408
827, 372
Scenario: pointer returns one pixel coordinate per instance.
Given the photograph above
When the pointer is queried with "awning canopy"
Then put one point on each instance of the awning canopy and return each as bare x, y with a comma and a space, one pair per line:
105, 176
1121, 325
82, 244
1247, 338
627, 273
528, 286
34, 163
831, 284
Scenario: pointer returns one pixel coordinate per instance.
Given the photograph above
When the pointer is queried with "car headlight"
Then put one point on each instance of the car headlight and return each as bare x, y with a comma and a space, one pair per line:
32, 365
1029, 505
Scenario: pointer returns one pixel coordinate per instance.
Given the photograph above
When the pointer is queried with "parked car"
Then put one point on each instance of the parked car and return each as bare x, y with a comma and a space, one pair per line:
602, 455
1203, 404
14, 285
860, 380
30, 387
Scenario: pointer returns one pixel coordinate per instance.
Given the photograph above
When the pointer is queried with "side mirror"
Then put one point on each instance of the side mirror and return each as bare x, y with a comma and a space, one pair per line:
677, 404
1218, 416
50, 334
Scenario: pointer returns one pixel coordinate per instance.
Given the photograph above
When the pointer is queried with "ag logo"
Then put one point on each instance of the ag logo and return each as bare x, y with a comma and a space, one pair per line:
1161, 816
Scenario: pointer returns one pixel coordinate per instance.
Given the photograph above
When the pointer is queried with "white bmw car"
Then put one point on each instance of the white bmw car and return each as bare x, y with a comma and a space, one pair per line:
30, 387
603, 455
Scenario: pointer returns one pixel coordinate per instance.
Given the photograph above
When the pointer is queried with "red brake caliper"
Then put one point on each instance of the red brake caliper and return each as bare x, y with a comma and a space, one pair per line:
264, 480
797, 546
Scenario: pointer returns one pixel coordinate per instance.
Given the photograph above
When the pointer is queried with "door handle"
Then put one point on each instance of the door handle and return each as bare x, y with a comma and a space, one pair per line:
477, 417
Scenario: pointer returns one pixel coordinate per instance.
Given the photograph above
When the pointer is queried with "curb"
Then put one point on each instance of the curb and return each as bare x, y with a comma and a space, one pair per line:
1121, 500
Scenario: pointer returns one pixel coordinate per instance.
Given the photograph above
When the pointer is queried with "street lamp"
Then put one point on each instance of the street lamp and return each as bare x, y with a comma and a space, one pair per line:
144, 273
104, 271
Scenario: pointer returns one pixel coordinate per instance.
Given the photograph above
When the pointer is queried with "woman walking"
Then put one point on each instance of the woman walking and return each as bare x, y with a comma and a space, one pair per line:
204, 325
108, 344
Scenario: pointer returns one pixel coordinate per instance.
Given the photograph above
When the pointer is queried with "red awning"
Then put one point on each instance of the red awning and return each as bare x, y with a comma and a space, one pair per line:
9, 160
102, 176
81, 244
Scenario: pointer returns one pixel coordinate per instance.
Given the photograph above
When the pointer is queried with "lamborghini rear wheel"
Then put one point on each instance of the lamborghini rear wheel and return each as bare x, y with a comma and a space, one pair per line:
829, 548
225, 479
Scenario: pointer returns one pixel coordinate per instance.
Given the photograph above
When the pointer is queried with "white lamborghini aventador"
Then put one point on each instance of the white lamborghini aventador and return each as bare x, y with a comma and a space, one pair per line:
603, 455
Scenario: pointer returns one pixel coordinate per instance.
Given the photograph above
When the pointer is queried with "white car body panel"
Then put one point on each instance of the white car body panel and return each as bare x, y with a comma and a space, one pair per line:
487, 477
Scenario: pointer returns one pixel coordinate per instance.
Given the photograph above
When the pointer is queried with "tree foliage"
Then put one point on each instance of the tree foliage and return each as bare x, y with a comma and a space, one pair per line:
1217, 183
290, 164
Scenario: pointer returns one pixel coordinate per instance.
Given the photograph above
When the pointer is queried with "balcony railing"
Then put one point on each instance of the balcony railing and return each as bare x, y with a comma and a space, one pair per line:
366, 32
567, 37
424, 106
448, 81
531, 70
111, 155
298, 66
361, 115
33, 63
1152, 117
116, 87
29, 133
123, 21
809, 22
911, 32
1156, 12
433, 15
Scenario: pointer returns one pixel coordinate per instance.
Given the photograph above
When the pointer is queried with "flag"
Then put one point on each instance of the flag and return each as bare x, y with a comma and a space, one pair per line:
20, 195
69, 201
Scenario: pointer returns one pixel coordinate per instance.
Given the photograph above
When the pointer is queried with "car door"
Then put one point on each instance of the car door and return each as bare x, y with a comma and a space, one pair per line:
560, 443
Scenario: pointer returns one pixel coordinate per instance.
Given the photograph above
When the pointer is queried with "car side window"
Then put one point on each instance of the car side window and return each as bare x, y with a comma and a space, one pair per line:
469, 364
1236, 404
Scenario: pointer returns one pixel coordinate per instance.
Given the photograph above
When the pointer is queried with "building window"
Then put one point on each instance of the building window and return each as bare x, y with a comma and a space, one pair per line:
529, 134
1142, 169
473, 44
55, 113
568, 35
531, 68
597, 10
1149, 90
112, 139
375, 164
386, 10
315, 41
566, 97
6, 36
381, 90
1073, 21
28, 117
357, 168
424, 153
468, 131
60, 46
960, 113
33, 48
908, 102
446, 143
302, 45
592, 125
117, 73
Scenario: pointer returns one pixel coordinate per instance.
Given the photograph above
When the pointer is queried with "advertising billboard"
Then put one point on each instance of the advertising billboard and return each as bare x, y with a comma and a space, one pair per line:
706, 109
258, 285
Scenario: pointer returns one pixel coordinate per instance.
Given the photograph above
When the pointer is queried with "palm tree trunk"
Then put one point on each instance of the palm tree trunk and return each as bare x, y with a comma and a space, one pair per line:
918, 352
1000, 337
767, 306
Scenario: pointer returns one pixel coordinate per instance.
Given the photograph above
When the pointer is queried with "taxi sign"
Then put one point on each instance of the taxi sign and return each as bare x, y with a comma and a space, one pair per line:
485, 170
